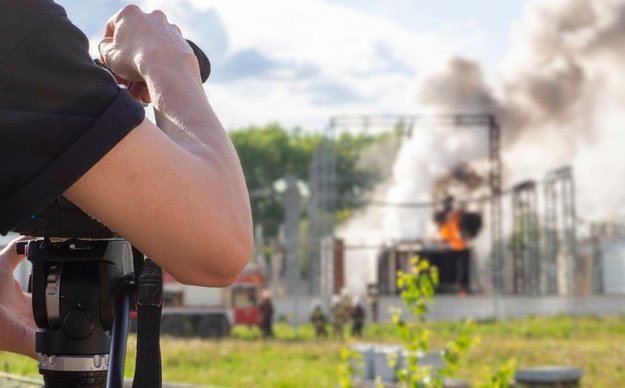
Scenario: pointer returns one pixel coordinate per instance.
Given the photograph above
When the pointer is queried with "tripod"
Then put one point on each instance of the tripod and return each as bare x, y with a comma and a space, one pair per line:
82, 292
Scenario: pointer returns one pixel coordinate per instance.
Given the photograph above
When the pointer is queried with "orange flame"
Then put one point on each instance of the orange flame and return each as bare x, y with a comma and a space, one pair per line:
450, 231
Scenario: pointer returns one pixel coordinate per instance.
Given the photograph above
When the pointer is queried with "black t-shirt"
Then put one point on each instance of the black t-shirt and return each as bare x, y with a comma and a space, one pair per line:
59, 112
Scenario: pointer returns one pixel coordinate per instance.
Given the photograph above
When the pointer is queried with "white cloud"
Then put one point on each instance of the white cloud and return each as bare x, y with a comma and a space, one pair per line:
318, 59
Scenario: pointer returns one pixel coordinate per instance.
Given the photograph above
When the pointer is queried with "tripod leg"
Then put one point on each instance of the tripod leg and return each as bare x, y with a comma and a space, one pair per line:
119, 337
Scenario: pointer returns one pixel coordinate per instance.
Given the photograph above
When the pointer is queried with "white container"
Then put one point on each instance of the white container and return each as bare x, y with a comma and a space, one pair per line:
366, 352
381, 367
613, 268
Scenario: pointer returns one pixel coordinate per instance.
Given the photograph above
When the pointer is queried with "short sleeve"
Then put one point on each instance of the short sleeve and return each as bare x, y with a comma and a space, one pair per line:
59, 112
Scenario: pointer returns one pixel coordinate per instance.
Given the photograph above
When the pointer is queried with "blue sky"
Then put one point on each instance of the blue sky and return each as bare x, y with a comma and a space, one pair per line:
299, 62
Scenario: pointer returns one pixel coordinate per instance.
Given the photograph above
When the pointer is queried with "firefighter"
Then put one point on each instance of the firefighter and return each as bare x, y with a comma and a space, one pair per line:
338, 317
358, 315
319, 320
266, 314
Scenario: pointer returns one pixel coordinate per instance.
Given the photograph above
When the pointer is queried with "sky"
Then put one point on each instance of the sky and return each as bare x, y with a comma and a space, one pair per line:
301, 62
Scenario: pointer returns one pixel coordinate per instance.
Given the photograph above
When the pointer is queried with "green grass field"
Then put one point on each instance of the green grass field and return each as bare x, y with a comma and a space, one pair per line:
296, 359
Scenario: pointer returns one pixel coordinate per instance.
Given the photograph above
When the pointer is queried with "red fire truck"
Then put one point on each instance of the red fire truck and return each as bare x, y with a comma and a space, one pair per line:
211, 312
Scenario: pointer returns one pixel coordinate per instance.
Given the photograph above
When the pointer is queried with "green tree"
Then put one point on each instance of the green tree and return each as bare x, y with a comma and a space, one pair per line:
271, 152
267, 154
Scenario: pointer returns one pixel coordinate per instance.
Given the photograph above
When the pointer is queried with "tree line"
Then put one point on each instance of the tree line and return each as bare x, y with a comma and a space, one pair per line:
271, 152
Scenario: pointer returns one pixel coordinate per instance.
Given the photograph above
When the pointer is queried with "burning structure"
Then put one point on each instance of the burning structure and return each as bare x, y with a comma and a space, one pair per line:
432, 207
449, 248
450, 251
559, 99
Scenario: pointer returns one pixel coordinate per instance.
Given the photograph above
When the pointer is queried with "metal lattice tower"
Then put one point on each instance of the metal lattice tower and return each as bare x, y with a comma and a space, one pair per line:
560, 230
292, 257
494, 136
526, 263
321, 205
550, 232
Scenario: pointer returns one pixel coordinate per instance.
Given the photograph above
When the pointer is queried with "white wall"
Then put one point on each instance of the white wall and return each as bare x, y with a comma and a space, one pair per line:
613, 268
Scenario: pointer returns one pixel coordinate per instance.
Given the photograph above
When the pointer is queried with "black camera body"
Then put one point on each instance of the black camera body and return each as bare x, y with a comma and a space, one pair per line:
63, 219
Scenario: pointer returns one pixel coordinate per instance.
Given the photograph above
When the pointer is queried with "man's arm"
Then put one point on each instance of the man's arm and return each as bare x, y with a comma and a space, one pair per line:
175, 191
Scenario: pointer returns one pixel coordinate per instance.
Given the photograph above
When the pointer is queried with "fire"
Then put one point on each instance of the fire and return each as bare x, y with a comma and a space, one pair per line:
451, 232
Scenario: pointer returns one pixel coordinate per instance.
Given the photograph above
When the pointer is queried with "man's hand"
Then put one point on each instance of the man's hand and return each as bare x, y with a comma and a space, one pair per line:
17, 326
136, 42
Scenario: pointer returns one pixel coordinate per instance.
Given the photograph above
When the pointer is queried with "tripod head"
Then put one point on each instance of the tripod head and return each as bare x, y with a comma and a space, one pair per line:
80, 269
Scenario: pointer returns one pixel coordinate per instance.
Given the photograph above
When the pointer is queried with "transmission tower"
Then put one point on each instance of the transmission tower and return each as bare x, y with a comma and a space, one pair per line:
321, 205
526, 265
560, 232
